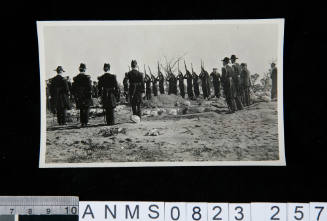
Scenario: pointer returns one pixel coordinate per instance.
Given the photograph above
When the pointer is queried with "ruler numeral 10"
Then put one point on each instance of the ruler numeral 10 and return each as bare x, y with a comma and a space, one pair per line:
180, 211
71, 210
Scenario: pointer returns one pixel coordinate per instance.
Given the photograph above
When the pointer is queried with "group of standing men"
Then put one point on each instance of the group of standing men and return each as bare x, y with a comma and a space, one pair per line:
235, 81
81, 90
193, 90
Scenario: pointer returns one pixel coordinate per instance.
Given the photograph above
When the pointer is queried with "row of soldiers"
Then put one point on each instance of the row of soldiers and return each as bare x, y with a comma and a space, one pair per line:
152, 82
235, 81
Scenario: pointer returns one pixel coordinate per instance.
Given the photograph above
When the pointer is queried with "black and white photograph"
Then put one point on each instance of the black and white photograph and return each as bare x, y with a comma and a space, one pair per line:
161, 93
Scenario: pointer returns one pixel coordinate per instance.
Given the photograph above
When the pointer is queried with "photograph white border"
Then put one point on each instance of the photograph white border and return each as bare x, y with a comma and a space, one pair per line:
281, 162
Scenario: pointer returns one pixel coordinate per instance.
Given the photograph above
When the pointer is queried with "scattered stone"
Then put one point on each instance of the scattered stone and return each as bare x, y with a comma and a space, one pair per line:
108, 132
146, 112
154, 113
187, 103
135, 119
200, 109
265, 98
173, 112
153, 132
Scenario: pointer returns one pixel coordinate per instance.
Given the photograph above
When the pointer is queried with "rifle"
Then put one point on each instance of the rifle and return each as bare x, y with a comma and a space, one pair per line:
152, 76
145, 75
192, 68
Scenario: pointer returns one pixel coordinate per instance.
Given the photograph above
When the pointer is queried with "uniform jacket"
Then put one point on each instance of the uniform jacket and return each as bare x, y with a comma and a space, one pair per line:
189, 78
59, 92
204, 76
227, 75
125, 83
82, 90
245, 78
236, 74
215, 78
136, 85
180, 79
196, 83
108, 90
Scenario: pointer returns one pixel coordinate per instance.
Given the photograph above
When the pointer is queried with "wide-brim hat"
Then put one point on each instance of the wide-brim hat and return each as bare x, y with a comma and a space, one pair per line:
233, 57
226, 59
59, 68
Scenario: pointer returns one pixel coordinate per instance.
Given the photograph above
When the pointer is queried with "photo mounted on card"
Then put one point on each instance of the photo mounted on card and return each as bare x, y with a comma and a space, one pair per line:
161, 93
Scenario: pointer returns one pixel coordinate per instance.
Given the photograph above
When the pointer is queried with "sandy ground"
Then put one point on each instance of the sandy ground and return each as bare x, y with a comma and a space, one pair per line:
205, 133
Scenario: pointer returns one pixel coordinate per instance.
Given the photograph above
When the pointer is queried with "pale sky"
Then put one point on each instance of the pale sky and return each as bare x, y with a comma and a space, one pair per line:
68, 46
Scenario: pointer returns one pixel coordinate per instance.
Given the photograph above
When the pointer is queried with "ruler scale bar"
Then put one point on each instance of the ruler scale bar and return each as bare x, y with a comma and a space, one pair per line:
39, 205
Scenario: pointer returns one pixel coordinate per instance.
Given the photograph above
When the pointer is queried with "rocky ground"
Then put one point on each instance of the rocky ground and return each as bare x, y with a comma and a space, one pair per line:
172, 129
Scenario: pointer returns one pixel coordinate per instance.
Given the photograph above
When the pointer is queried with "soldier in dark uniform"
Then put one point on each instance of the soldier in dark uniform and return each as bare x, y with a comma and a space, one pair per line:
136, 88
188, 77
125, 83
195, 78
161, 79
108, 90
237, 82
204, 76
246, 84
172, 83
59, 92
154, 85
228, 85
82, 89
216, 82
273, 76
147, 81
180, 78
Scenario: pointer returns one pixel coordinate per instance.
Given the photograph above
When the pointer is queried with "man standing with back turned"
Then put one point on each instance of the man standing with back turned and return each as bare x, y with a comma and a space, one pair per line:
59, 92
136, 88
82, 89
108, 90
